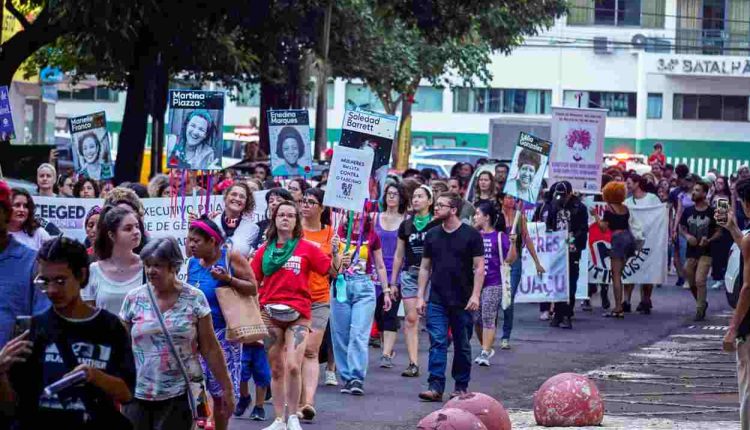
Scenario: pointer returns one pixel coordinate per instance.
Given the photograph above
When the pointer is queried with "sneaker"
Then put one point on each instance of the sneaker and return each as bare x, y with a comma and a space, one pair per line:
555, 322
717, 285
586, 306
347, 388
504, 343
483, 359
457, 392
308, 412
411, 372
331, 380
544, 316
566, 323
386, 361
277, 424
357, 388
242, 406
258, 414
700, 313
626, 307
431, 396
293, 423
680, 282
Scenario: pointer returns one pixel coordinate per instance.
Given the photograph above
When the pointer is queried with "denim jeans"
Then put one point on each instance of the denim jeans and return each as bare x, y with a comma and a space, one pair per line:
515, 280
351, 322
460, 321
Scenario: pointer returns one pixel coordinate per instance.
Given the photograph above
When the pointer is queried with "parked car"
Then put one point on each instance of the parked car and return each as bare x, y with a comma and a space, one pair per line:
443, 167
455, 155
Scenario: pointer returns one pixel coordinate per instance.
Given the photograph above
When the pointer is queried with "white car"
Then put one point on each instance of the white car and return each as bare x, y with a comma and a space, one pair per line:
636, 162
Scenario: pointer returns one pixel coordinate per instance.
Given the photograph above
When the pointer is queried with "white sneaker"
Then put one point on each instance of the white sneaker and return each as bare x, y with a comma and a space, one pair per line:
504, 344
717, 285
544, 316
484, 358
331, 379
293, 423
277, 424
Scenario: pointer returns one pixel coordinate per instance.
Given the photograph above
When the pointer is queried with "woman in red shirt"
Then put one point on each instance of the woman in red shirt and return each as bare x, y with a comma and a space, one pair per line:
282, 266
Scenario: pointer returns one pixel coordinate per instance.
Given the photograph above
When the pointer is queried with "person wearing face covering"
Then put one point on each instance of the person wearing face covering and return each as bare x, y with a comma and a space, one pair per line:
567, 212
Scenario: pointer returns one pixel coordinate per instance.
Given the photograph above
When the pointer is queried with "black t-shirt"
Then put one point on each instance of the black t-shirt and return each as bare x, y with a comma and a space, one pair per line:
452, 257
261, 238
699, 224
414, 241
617, 221
100, 341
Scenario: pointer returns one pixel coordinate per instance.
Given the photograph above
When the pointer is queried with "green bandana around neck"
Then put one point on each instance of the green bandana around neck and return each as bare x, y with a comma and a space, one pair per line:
274, 257
421, 221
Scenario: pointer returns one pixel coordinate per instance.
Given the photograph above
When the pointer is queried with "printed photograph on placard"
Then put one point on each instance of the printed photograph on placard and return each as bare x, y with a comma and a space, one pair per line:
289, 137
92, 152
194, 132
527, 168
7, 132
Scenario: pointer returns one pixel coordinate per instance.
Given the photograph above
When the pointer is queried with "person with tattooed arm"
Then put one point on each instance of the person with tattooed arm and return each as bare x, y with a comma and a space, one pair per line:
282, 267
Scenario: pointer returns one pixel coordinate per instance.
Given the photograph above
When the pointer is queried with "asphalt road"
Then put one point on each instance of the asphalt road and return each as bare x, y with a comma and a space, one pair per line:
659, 366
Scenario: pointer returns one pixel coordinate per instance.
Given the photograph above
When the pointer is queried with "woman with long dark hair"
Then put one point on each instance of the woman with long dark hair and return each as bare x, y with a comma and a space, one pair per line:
86, 188
485, 189
195, 149
22, 225
283, 266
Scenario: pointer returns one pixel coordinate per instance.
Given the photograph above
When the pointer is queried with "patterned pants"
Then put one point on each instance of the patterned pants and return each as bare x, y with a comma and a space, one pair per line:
233, 355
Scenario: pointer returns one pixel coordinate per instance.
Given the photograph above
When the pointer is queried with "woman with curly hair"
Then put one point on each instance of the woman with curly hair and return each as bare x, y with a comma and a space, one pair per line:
289, 150
521, 185
617, 220
86, 188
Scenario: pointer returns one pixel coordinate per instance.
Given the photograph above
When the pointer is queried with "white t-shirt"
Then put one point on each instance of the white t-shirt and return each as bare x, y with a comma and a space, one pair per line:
34, 242
648, 200
106, 293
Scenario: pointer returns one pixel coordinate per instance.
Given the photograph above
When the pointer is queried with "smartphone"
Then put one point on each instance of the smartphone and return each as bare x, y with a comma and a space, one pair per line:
23, 323
722, 205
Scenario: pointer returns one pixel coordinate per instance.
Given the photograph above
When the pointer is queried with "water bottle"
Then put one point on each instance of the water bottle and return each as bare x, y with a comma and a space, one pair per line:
66, 382
340, 288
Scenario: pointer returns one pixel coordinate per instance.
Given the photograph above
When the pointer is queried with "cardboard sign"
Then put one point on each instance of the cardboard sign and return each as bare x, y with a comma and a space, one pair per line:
527, 168
578, 152
289, 137
373, 132
348, 180
90, 145
195, 129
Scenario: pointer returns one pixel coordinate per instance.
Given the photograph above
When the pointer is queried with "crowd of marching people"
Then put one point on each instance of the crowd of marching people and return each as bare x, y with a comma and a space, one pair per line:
152, 351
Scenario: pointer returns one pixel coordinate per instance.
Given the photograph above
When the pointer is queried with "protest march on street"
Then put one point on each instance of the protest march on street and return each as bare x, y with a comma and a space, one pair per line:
180, 269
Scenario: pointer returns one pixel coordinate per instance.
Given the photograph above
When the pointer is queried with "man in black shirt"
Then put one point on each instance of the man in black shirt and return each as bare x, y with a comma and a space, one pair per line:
739, 327
453, 261
698, 227
68, 338
568, 213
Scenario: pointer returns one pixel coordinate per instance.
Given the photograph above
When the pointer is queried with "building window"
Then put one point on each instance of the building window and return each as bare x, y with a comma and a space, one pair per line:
97, 93
249, 95
710, 107
644, 13
654, 106
496, 100
428, 99
618, 104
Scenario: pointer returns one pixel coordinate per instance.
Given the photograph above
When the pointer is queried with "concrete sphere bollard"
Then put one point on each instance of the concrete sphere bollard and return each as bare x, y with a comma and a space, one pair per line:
568, 399
490, 411
450, 419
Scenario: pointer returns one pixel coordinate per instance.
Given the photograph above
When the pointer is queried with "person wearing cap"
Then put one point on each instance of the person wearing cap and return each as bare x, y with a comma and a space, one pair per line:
213, 266
17, 268
568, 213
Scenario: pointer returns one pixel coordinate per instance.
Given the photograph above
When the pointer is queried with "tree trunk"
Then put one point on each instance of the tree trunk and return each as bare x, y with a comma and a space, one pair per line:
280, 95
135, 119
321, 107
158, 107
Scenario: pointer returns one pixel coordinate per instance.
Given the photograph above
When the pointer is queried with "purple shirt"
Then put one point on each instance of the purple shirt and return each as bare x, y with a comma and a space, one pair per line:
388, 242
492, 262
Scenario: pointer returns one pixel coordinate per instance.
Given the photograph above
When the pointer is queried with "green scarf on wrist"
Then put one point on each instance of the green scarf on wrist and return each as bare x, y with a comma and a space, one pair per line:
421, 221
274, 258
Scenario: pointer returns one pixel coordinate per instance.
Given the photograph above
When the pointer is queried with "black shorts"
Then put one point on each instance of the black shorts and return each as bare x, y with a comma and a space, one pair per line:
387, 321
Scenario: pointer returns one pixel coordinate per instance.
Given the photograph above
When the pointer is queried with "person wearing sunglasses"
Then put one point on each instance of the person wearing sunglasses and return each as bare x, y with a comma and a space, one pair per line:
72, 332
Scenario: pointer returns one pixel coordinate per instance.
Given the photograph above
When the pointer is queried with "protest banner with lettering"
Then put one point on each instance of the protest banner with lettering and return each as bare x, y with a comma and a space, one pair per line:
649, 265
7, 132
578, 152
195, 129
527, 168
289, 137
348, 179
92, 153
373, 132
552, 250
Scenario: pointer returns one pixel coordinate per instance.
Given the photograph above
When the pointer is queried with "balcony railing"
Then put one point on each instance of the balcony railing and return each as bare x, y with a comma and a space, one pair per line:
712, 42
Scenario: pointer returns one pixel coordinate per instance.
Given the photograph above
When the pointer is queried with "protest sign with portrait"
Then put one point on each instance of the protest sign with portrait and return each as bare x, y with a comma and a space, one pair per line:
289, 137
578, 152
92, 154
373, 132
195, 129
348, 179
7, 132
527, 168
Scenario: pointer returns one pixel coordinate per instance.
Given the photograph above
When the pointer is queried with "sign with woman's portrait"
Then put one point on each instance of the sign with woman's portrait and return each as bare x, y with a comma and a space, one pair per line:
289, 136
195, 129
7, 132
527, 168
578, 154
90, 145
